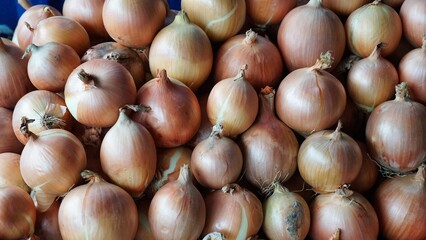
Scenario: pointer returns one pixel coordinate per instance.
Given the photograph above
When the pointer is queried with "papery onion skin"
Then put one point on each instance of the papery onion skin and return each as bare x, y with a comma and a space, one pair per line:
10, 172
8, 142
369, 173
412, 14
47, 226
267, 13
344, 7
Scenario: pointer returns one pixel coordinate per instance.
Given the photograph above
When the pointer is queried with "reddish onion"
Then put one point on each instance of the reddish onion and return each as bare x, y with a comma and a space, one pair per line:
394, 3
267, 13
47, 225
10, 172
206, 126
8, 141
368, 174
413, 19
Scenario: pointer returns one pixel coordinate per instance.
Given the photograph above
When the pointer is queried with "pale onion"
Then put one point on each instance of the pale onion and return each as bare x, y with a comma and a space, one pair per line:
174, 114
47, 225
370, 25
17, 213
412, 70
144, 230
177, 210
306, 32
234, 212
267, 13
47, 109
50, 164
184, 50
286, 215
220, 19
413, 19
8, 140
233, 103
399, 203
310, 99
369, 173
346, 210
328, 159
344, 7
128, 154
372, 80
217, 160
97, 210
133, 23
266, 66
396, 132
269, 146
10, 172
96, 89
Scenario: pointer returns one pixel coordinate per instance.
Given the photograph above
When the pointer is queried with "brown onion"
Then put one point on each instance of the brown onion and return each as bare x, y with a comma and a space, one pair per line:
10, 172
369, 173
267, 13
206, 126
412, 15
344, 7
144, 230
8, 141
47, 225
394, 3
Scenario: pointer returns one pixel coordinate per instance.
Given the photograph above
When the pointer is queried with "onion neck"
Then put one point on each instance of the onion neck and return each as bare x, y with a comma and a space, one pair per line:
377, 52
48, 12
24, 129
376, 2
87, 79
337, 133
267, 105
336, 235
241, 73
29, 49
184, 175
250, 37
163, 78
279, 188
401, 92
91, 176
230, 188
314, 3
217, 130
181, 18
344, 191
324, 62
421, 173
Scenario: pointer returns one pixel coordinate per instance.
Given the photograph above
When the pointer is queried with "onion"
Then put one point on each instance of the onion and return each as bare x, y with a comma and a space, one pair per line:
234, 212
128, 155
310, 99
233, 103
267, 13
394, 3
10, 173
396, 133
412, 14
174, 114
344, 7
219, 19
8, 141
253, 50
269, 147
370, 25
353, 119
184, 50
346, 210
96, 89
97, 210
286, 215
17, 213
369, 173
177, 210
144, 230
206, 126
372, 80
133, 23
217, 160
412, 70
308, 30
399, 205
47, 225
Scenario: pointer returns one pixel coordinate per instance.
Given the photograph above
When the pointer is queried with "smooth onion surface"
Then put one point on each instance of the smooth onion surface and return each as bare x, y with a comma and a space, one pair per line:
47, 225
267, 13
344, 7
10, 172
8, 141
413, 19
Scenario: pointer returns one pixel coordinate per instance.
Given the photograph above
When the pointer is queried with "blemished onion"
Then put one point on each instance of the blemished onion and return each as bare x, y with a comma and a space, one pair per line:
219, 19
47, 109
267, 13
372, 80
233, 103
412, 70
234, 212
174, 114
47, 225
177, 210
346, 210
258, 52
217, 160
269, 146
8, 141
10, 172
128, 155
328, 159
310, 99
412, 15
144, 230
306, 32
96, 89
370, 25
399, 203
17, 213
368, 174
97, 210
344, 7
286, 215
50, 164
396, 132
184, 50
133, 23
49, 65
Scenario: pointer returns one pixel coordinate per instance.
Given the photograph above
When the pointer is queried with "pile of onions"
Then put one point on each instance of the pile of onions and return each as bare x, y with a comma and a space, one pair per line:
50, 65
310, 99
233, 103
396, 132
263, 57
269, 146
412, 70
8, 140
399, 203
96, 89
184, 50
346, 210
174, 114
133, 23
128, 155
344, 7
47, 225
308, 30
10, 172
206, 126
234, 212
369, 172
177, 210
217, 160
18, 214
97, 210
372, 80
413, 19
370, 25
267, 13
222, 19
